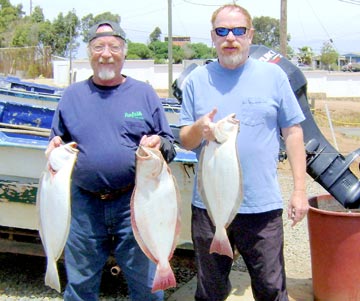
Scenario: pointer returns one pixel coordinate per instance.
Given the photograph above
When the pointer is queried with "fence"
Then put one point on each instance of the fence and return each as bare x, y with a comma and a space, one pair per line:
26, 62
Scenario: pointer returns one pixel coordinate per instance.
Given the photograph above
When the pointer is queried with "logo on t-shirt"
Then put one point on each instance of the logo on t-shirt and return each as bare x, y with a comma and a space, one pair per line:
134, 115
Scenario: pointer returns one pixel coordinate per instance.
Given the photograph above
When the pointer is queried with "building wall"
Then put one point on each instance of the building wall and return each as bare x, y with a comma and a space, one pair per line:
145, 70
333, 84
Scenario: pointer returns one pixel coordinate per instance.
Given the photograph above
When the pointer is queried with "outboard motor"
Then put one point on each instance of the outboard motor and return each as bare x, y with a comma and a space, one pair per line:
324, 163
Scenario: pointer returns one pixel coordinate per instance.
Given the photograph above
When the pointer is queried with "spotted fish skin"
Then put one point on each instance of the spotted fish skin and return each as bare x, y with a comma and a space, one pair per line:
53, 205
220, 181
155, 213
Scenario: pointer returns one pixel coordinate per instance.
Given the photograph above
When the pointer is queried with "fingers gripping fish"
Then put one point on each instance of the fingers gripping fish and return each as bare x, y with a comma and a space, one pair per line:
220, 181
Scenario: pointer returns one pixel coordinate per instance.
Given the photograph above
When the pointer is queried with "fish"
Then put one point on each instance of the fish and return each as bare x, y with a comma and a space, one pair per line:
53, 206
155, 213
220, 181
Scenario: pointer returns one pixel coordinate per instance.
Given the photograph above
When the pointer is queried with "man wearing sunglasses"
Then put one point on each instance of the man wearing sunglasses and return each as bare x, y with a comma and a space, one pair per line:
260, 95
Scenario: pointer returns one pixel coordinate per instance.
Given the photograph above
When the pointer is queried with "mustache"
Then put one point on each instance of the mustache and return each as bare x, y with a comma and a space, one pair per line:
232, 45
106, 61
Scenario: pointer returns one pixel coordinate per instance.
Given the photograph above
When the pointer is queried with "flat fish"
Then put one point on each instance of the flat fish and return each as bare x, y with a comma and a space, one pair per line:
155, 213
53, 205
220, 181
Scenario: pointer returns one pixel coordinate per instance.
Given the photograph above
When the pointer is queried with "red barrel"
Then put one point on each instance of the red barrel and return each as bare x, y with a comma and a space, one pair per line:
335, 250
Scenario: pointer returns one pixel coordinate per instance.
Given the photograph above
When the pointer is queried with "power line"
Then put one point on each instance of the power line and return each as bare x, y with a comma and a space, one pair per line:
202, 4
356, 2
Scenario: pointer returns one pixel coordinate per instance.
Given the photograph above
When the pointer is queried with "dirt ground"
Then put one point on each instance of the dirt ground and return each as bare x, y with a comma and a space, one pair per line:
345, 116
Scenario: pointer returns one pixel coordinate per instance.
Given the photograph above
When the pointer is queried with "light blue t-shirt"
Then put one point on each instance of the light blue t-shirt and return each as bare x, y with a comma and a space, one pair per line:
260, 95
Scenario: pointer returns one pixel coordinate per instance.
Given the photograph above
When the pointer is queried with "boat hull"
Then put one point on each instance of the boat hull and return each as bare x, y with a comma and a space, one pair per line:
23, 160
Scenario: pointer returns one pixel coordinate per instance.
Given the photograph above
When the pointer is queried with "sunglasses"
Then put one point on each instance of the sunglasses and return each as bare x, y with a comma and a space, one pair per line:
237, 31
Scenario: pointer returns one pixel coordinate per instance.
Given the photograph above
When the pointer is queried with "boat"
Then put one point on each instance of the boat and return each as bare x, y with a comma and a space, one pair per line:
24, 132
15, 90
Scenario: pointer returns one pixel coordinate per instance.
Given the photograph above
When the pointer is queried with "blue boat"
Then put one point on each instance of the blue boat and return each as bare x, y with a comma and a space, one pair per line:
15, 90
24, 131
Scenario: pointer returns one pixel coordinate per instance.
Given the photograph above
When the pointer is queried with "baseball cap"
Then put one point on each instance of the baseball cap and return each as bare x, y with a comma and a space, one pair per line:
117, 31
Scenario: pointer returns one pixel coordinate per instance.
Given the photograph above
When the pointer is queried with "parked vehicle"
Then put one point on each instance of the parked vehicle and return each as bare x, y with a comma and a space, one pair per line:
351, 67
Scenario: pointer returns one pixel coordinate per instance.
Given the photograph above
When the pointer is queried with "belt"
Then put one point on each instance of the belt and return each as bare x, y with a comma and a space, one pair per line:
114, 194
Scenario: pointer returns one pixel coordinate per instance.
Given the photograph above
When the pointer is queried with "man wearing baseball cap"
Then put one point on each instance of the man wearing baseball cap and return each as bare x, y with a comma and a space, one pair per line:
108, 116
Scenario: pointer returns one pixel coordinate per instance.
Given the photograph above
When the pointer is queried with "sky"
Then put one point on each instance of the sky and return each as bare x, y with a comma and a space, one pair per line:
309, 22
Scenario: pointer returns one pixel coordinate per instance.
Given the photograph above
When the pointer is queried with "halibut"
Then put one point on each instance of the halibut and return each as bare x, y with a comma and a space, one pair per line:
220, 181
53, 204
155, 213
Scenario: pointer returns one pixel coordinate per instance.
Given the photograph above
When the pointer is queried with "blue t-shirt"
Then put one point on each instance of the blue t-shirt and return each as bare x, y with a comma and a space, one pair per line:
260, 95
107, 125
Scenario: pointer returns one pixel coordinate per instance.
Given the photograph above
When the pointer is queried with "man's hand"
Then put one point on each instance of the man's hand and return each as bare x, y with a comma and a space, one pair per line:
54, 143
208, 125
153, 141
298, 206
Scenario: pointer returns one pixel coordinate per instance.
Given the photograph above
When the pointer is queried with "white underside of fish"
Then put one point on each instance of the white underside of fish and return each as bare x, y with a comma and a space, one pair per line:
155, 213
53, 204
220, 181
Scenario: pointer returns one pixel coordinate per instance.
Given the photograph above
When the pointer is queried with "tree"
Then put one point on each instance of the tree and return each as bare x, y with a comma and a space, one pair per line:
66, 30
305, 55
89, 20
197, 51
178, 54
9, 16
159, 51
329, 55
37, 15
267, 32
155, 35
138, 51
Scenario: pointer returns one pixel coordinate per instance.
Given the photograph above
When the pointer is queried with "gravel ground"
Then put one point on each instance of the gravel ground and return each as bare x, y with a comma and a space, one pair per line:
22, 277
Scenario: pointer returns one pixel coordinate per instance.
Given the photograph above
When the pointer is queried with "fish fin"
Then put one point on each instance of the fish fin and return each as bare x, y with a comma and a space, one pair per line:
221, 243
164, 277
200, 185
52, 276
178, 218
136, 231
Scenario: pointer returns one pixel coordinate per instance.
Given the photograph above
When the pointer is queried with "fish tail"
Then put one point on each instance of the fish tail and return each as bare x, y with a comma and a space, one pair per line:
52, 276
221, 244
164, 277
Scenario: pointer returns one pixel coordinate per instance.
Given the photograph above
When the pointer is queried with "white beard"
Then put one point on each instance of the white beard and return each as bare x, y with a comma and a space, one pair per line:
232, 60
106, 74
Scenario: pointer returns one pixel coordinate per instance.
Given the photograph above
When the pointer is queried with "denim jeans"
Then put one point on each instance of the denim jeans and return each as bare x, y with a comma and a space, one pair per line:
97, 228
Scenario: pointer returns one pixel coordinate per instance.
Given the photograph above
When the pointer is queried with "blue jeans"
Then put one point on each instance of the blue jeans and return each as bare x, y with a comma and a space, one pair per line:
97, 227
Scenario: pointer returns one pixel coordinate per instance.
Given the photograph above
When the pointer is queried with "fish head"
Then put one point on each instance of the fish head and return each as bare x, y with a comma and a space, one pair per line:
149, 161
225, 127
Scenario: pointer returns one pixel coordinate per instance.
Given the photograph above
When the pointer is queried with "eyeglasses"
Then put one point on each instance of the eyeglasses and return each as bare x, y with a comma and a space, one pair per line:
101, 48
237, 31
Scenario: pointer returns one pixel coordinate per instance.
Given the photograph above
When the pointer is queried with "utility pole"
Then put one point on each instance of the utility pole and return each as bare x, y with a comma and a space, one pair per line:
170, 52
283, 28
71, 49
70, 57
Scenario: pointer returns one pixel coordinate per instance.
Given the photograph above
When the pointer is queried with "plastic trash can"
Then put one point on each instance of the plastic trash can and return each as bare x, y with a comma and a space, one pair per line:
334, 234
